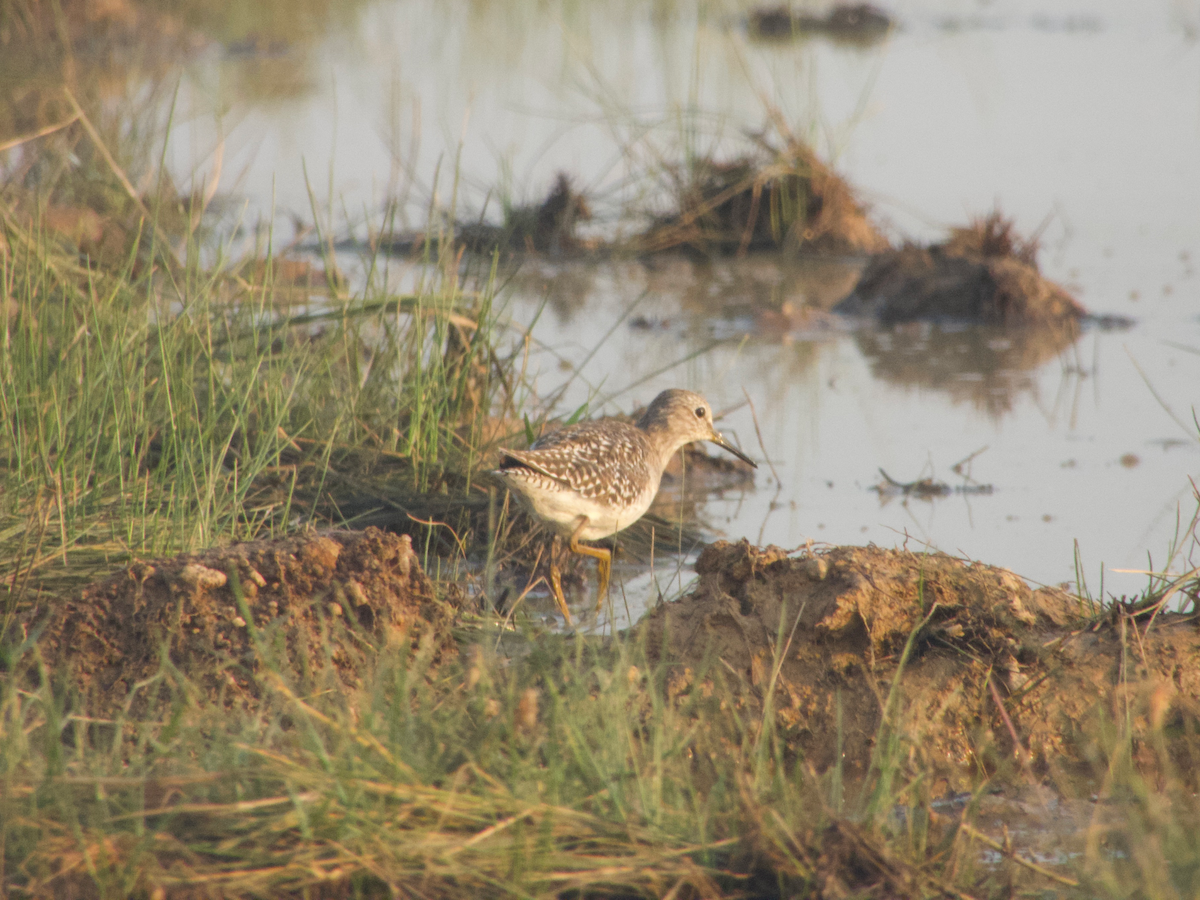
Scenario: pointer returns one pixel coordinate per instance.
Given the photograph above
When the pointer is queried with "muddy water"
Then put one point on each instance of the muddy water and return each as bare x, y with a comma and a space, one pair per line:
1080, 119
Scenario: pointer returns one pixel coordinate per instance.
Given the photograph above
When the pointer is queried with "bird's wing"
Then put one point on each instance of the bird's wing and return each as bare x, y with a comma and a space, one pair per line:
531, 459
596, 462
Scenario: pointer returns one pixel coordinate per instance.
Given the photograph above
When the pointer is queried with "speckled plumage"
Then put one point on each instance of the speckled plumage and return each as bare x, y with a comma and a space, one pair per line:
593, 479
604, 470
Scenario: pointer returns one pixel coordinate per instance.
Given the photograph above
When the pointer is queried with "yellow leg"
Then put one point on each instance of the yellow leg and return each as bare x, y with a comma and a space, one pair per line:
603, 559
556, 582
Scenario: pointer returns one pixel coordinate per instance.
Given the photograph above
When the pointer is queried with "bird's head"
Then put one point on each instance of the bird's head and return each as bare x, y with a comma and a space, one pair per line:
686, 417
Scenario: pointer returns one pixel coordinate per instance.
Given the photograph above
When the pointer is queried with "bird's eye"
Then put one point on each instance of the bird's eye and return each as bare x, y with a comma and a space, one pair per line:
699, 412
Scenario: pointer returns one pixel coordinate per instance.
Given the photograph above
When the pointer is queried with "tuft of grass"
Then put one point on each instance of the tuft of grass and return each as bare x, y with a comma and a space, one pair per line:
155, 400
781, 197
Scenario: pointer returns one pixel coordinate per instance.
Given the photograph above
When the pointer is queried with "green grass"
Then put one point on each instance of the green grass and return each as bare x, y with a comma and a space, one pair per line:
162, 406
577, 771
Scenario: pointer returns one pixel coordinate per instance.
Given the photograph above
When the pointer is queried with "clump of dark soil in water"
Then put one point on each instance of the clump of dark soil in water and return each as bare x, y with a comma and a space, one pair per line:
289, 280
776, 199
982, 274
549, 227
317, 603
860, 23
999, 679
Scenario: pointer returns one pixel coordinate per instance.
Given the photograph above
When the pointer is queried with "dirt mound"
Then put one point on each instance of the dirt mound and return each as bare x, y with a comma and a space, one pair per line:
313, 603
983, 273
998, 677
780, 199
548, 227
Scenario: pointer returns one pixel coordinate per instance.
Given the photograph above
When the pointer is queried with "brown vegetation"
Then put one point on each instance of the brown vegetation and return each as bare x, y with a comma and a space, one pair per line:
779, 199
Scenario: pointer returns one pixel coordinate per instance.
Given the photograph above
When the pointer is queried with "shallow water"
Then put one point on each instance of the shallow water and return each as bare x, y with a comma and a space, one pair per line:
1080, 120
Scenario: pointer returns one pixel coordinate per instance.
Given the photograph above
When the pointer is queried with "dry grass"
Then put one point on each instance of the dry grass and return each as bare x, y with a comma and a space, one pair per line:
780, 198
992, 235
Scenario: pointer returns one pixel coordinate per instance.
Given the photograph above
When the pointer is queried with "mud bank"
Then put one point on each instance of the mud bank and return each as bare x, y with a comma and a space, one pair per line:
856, 24
999, 679
315, 606
956, 670
982, 273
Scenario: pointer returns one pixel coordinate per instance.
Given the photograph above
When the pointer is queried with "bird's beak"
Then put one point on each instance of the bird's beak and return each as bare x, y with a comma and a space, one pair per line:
718, 439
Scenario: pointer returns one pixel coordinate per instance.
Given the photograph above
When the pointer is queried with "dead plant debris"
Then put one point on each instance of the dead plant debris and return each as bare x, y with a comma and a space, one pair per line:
549, 227
780, 198
927, 488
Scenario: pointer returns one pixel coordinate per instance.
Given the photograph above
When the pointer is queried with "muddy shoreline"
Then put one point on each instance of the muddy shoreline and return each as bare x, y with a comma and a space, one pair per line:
981, 675
974, 675
314, 607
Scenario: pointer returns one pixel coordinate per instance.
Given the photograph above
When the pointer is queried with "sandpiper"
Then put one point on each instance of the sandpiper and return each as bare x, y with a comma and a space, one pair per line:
593, 479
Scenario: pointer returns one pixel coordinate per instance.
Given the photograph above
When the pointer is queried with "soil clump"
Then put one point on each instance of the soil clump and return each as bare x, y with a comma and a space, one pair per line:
549, 227
983, 273
997, 679
860, 24
780, 198
319, 605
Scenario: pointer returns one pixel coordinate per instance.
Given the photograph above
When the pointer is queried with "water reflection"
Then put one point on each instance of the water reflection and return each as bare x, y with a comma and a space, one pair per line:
768, 300
754, 284
500, 96
985, 366
765, 296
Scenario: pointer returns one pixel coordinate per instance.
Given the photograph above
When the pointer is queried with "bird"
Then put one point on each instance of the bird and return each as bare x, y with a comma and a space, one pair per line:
593, 479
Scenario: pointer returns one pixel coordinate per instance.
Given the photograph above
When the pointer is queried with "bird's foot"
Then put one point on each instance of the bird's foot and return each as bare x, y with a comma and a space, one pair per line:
557, 589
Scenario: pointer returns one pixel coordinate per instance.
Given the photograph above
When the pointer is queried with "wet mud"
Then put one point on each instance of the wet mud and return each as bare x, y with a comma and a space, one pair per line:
997, 679
858, 24
548, 228
982, 274
314, 606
